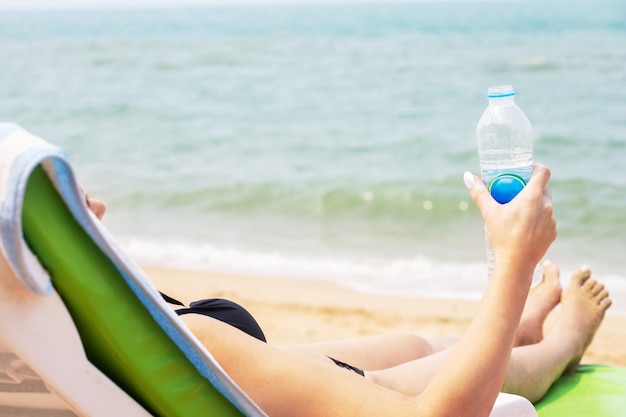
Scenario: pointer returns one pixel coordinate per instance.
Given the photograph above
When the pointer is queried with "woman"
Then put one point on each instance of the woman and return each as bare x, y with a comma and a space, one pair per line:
397, 375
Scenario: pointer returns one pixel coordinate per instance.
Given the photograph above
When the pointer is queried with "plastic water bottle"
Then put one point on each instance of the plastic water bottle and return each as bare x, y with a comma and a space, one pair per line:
505, 150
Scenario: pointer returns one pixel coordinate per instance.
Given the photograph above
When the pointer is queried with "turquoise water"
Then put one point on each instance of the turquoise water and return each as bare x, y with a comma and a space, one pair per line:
327, 141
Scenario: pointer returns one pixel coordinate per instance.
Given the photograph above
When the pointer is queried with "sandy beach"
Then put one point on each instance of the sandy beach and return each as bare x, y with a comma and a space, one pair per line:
300, 311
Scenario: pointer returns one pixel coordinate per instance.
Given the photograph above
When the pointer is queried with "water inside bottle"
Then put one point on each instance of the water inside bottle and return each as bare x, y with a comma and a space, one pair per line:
494, 163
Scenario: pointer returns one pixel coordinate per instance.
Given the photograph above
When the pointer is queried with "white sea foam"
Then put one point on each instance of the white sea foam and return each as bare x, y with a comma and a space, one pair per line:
417, 276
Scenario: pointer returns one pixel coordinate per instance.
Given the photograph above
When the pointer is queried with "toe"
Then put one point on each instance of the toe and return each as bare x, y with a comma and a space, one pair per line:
602, 296
598, 288
550, 271
581, 275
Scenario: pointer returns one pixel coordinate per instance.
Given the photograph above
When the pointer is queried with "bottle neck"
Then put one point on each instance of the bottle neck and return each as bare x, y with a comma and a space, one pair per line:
502, 101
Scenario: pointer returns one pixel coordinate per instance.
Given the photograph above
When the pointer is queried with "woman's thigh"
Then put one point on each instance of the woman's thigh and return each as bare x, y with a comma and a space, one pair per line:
377, 351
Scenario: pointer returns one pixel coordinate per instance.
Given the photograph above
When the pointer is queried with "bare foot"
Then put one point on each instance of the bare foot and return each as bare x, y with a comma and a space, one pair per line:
584, 302
541, 301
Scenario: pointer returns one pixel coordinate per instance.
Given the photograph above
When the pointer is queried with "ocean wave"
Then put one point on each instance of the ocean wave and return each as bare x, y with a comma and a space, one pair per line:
408, 276
368, 201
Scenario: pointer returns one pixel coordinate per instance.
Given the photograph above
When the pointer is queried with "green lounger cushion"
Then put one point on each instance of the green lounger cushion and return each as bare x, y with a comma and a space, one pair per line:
591, 391
119, 334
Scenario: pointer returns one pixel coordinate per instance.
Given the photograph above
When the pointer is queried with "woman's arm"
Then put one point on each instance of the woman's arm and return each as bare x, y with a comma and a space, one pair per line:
520, 233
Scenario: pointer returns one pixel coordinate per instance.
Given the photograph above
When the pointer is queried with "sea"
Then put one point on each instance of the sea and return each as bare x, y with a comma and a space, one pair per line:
327, 140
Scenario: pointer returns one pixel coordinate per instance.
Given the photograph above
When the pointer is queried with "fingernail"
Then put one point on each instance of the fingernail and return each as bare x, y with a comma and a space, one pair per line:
585, 267
469, 179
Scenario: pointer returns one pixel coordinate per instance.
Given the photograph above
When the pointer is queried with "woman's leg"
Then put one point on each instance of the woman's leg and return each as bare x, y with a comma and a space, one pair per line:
389, 350
535, 368
532, 368
540, 302
374, 352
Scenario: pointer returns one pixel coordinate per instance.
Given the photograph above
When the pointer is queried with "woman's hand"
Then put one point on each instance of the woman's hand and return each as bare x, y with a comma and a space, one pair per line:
522, 230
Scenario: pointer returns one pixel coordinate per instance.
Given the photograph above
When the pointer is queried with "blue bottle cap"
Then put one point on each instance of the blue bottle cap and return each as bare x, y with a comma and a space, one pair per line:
505, 187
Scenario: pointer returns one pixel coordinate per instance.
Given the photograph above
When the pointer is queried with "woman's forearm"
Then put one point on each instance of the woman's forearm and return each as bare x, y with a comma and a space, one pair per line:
520, 232
473, 374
